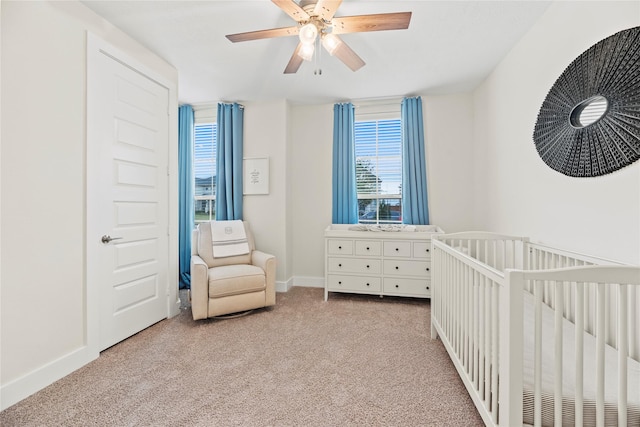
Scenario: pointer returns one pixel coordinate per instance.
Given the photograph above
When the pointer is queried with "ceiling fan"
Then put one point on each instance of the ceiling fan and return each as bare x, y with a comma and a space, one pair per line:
316, 20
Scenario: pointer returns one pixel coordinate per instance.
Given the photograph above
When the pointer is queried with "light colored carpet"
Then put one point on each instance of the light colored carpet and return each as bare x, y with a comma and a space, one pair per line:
354, 360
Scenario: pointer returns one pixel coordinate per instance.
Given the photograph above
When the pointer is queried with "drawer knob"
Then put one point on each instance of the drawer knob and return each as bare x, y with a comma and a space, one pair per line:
339, 283
339, 247
367, 284
427, 288
427, 249
427, 268
397, 249
397, 268
339, 265
397, 286
367, 247
367, 266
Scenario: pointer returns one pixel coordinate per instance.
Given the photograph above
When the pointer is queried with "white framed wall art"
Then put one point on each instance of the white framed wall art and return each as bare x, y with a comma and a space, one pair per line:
256, 175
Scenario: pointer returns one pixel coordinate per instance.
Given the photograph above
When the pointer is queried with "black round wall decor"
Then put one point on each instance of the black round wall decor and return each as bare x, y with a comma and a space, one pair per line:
589, 123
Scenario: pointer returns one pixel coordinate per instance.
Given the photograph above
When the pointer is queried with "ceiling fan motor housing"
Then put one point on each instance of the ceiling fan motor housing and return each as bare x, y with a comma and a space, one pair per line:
308, 5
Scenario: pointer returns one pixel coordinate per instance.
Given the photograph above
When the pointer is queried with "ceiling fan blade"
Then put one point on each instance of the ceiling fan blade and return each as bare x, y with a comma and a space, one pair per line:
326, 9
348, 56
292, 9
263, 34
376, 22
294, 62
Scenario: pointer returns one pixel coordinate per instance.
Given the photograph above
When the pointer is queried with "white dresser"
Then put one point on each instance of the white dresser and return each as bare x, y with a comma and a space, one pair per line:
378, 262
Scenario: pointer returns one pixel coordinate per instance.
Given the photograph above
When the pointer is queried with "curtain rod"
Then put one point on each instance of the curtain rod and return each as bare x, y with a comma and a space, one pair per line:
206, 105
381, 102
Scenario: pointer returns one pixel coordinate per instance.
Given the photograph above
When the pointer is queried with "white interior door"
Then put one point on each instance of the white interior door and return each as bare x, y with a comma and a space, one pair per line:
127, 198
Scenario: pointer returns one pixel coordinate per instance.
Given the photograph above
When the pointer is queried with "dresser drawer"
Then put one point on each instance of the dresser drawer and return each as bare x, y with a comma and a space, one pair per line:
369, 262
397, 249
410, 287
336, 282
368, 248
422, 250
340, 247
354, 265
398, 267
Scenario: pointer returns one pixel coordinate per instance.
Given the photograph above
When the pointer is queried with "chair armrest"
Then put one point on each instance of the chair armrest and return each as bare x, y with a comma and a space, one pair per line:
261, 259
267, 262
199, 288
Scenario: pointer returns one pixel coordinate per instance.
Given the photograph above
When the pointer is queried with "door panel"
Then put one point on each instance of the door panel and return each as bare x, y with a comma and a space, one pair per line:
127, 199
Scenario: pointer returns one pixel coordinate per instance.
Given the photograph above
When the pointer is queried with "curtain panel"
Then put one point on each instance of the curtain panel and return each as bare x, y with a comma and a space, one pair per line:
230, 139
185, 185
414, 172
345, 197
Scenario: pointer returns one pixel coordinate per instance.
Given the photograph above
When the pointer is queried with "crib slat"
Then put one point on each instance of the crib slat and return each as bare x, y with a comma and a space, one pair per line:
465, 319
454, 315
557, 388
461, 313
494, 351
634, 321
487, 347
600, 355
481, 343
469, 325
476, 334
579, 343
622, 354
537, 382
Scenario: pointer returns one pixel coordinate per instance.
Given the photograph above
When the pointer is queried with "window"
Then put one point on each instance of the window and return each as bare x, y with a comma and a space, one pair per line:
378, 147
204, 166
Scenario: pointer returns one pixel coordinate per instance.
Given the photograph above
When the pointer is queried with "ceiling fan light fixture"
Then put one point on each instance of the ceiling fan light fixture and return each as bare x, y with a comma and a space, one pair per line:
331, 42
306, 51
308, 33
315, 20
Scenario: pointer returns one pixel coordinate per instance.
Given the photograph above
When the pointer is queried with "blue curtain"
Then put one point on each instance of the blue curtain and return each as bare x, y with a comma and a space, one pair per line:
229, 167
414, 172
345, 197
185, 184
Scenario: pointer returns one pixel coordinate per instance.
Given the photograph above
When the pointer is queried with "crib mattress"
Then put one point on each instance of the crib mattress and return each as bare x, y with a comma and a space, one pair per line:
569, 374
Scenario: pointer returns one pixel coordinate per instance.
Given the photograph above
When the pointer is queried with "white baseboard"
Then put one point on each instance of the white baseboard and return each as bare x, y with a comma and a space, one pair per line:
20, 388
284, 286
308, 282
302, 281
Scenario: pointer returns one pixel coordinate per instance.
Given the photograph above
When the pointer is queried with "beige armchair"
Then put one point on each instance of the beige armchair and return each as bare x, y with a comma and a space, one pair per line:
231, 284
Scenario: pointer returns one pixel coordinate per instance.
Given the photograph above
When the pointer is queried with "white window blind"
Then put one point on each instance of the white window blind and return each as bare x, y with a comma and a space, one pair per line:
204, 166
378, 147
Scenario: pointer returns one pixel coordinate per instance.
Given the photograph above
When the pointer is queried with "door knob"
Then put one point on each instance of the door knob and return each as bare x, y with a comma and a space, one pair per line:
106, 238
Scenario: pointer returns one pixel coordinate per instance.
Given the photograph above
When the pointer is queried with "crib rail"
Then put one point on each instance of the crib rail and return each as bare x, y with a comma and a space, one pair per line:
477, 306
498, 251
464, 311
542, 257
615, 281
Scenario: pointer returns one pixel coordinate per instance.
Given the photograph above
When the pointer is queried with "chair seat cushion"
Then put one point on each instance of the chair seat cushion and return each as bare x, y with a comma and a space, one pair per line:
235, 279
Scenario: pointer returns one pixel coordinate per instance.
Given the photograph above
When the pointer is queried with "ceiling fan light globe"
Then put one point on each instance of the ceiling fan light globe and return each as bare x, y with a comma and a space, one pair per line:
306, 52
308, 33
331, 43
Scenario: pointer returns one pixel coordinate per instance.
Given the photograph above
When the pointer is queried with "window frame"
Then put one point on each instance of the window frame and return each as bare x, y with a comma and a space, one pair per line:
205, 117
376, 112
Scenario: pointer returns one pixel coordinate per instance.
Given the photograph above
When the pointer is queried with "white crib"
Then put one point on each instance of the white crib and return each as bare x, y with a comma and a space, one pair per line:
539, 336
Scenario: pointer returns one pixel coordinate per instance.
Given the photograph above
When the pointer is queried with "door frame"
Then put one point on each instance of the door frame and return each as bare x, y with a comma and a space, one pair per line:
96, 47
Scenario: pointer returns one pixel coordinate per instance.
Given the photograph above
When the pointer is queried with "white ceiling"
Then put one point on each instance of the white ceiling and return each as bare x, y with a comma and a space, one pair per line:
450, 46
